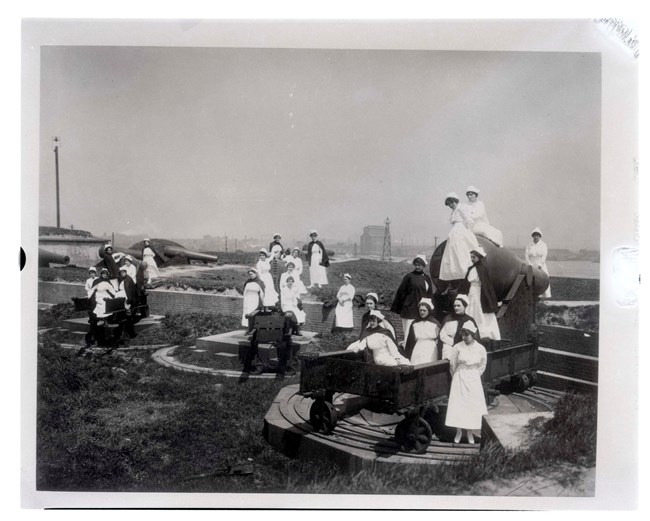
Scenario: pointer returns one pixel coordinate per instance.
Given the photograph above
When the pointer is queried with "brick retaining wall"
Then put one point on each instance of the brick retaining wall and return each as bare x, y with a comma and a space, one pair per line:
162, 302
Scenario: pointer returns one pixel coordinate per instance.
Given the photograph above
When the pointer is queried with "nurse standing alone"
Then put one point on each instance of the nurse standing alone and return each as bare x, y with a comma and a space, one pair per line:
536, 253
318, 261
344, 318
467, 362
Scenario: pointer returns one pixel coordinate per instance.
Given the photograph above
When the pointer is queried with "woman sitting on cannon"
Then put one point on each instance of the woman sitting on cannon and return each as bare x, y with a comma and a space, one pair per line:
461, 240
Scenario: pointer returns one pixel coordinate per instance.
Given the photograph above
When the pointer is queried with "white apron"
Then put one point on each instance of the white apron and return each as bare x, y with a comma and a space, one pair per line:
466, 405
486, 322
344, 315
426, 348
264, 273
536, 256
456, 257
252, 296
317, 273
289, 302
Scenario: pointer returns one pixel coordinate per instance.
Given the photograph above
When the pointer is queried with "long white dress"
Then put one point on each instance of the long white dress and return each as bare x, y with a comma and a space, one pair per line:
383, 350
264, 273
456, 257
486, 322
466, 405
536, 256
344, 314
289, 302
317, 273
253, 295
480, 224
426, 348
102, 290
148, 258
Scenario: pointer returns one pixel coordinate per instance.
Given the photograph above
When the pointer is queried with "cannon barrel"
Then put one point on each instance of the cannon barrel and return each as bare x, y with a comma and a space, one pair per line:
173, 251
46, 257
502, 265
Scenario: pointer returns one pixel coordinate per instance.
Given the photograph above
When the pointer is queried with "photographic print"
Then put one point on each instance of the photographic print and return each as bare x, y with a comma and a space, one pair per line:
309, 262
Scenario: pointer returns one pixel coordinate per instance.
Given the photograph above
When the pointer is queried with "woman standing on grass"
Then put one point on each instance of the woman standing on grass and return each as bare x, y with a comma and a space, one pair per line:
372, 302
253, 298
466, 406
483, 303
264, 273
461, 240
344, 318
422, 343
318, 261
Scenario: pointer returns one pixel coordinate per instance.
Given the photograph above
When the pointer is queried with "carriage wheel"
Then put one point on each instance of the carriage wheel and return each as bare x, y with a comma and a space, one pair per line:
413, 435
322, 416
532, 377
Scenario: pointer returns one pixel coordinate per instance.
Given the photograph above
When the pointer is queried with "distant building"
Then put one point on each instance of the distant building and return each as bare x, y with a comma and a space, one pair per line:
372, 240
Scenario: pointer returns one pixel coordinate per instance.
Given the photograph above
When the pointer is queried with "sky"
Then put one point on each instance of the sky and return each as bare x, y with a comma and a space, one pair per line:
185, 142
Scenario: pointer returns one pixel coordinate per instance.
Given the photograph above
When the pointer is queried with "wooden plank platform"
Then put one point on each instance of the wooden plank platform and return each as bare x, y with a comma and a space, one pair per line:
569, 340
563, 364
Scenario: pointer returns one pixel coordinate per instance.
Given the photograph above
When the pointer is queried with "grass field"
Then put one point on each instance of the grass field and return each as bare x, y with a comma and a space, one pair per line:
121, 422
124, 423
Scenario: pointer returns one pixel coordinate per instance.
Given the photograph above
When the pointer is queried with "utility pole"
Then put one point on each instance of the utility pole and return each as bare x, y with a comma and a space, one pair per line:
435, 243
385, 252
226, 244
56, 142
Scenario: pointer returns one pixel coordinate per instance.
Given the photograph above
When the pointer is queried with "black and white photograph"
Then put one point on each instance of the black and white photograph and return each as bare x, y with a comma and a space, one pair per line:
318, 264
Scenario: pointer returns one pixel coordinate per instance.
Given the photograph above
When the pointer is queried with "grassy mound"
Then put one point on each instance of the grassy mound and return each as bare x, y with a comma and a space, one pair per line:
585, 318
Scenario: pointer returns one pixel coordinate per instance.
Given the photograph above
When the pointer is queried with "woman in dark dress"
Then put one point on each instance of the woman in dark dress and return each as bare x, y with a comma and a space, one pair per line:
414, 287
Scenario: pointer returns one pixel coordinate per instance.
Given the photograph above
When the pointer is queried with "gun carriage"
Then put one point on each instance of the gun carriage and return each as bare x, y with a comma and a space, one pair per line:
108, 330
420, 392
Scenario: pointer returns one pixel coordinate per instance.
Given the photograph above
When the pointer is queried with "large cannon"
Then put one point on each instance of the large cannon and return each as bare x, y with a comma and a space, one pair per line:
516, 284
45, 258
167, 253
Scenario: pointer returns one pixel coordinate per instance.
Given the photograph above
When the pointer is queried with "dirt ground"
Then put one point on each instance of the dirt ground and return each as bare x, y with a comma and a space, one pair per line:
562, 481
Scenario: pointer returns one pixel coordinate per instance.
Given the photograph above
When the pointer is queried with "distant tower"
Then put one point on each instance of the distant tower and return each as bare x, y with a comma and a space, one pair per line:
385, 252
